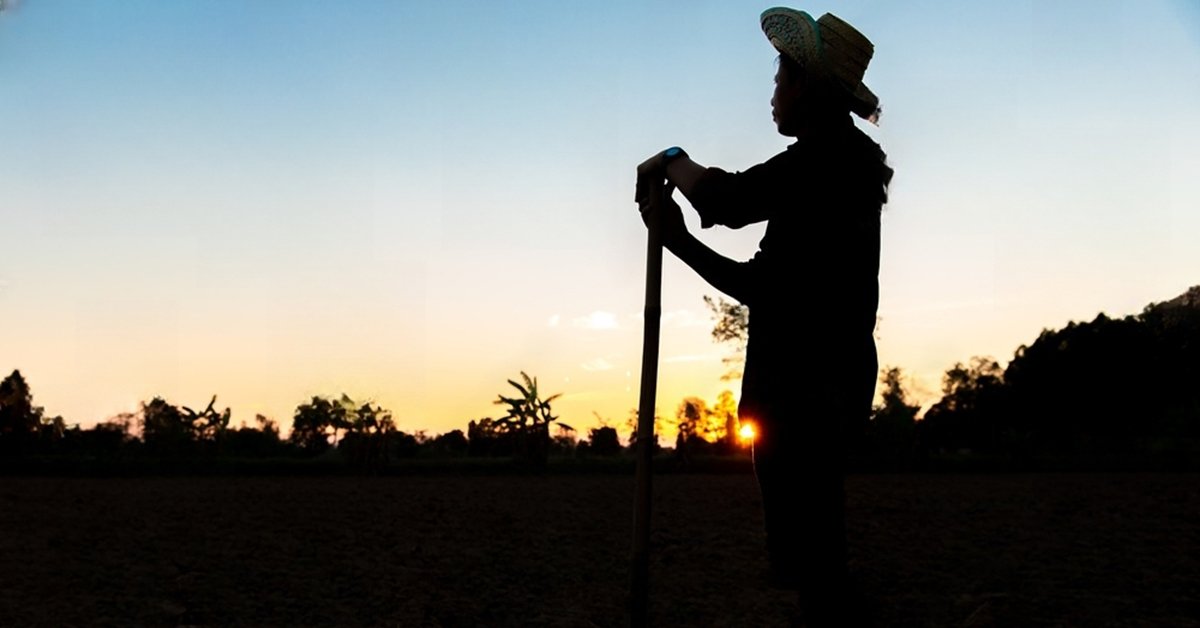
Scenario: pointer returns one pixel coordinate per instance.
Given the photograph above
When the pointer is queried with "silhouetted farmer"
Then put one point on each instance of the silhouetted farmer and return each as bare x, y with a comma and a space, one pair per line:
812, 289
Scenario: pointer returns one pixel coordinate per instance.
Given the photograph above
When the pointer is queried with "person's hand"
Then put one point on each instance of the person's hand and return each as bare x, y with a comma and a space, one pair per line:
660, 206
651, 174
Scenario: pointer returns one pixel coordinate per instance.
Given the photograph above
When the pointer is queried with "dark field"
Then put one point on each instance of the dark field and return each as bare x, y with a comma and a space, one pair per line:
927, 550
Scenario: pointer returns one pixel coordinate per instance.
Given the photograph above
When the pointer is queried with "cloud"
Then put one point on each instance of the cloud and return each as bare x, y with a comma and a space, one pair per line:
598, 364
597, 320
553, 320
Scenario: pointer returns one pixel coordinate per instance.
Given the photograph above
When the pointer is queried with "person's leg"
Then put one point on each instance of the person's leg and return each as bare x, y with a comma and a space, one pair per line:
775, 467
822, 544
800, 469
826, 592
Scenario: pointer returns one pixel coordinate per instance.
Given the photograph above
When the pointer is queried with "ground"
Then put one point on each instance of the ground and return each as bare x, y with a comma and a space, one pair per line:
927, 550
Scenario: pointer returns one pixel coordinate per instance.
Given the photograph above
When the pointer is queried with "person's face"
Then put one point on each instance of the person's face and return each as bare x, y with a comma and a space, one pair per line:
786, 102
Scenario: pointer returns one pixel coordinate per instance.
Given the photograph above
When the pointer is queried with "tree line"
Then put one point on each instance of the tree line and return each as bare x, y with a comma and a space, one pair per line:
1109, 387
363, 435
1103, 389
1109, 390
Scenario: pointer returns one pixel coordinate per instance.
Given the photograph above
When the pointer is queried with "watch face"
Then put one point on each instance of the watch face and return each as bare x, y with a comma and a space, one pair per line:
673, 151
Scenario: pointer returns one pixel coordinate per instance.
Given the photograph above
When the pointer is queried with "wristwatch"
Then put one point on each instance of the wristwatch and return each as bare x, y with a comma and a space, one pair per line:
673, 153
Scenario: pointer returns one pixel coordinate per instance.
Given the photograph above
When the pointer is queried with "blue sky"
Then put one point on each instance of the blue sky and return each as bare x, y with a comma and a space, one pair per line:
411, 202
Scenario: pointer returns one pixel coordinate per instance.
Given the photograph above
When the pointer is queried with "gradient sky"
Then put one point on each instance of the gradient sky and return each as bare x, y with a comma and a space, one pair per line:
411, 202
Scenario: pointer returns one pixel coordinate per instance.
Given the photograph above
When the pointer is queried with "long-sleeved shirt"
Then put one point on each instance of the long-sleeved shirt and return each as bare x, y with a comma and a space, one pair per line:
812, 287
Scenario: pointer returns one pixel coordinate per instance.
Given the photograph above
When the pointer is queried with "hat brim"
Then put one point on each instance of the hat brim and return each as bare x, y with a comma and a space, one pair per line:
793, 33
798, 36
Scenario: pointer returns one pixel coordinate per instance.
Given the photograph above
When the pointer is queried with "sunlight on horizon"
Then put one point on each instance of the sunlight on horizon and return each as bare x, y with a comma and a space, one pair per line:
225, 198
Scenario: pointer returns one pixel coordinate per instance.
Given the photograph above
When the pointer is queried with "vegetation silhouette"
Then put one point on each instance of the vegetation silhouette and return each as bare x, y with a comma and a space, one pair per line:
731, 327
371, 436
888, 438
315, 422
603, 441
527, 422
1105, 392
631, 423
24, 428
255, 442
1113, 393
702, 430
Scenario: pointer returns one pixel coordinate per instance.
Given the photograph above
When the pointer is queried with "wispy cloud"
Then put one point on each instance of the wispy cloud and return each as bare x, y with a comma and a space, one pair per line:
598, 364
597, 320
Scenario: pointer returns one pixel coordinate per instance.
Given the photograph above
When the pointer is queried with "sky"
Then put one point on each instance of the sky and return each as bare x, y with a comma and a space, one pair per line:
412, 202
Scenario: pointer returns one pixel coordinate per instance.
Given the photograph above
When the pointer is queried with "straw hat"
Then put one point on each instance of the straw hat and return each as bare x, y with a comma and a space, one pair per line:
829, 47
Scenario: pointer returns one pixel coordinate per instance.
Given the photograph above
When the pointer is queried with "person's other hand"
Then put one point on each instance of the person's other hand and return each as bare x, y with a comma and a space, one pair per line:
661, 206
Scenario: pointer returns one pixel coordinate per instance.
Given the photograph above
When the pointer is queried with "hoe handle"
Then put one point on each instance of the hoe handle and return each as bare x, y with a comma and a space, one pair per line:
640, 586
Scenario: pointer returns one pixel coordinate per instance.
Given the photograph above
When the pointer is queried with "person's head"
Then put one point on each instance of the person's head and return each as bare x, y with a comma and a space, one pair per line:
821, 66
802, 99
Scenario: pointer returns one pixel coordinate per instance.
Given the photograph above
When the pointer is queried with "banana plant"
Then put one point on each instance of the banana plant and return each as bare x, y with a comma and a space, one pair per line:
528, 420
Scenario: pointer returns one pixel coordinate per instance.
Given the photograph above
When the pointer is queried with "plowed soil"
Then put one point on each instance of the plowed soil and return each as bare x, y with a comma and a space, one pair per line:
926, 550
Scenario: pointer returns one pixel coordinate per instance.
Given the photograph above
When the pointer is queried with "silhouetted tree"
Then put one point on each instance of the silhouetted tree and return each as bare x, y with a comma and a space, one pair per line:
20, 420
695, 425
970, 414
1108, 387
1175, 326
255, 442
314, 422
452, 443
1091, 388
488, 438
725, 413
890, 435
404, 445
732, 326
603, 441
105, 440
166, 431
208, 427
367, 439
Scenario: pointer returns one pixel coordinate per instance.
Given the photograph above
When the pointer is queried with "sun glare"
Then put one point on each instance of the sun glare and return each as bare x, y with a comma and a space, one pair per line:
746, 433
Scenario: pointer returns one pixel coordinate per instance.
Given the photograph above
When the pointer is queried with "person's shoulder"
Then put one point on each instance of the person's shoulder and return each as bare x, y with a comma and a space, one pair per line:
848, 140
865, 144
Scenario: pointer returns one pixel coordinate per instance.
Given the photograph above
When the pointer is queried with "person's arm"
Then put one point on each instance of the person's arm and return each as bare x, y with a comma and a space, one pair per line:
732, 199
684, 174
737, 199
736, 279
